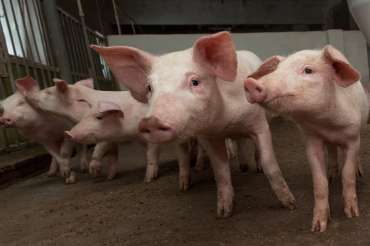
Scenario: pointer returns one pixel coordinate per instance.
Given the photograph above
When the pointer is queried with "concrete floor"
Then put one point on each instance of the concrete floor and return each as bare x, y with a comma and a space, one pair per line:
125, 211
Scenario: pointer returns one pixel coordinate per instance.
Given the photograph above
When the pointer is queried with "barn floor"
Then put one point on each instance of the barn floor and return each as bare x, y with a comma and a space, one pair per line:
125, 211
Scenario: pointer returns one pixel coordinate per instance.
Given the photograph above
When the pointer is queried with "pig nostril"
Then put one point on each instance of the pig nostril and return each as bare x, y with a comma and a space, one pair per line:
163, 128
145, 130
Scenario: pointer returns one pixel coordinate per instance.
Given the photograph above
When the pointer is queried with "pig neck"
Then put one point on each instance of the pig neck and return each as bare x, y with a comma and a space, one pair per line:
333, 120
44, 128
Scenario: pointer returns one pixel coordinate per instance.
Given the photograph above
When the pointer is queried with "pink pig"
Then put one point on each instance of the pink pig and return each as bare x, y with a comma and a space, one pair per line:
199, 92
109, 121
321, 91
75, 101
39, 127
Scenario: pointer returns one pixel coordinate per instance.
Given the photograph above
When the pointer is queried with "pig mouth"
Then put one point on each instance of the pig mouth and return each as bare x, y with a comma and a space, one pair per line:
276, 101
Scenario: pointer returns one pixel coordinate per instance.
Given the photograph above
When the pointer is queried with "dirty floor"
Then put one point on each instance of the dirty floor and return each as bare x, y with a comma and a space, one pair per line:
125, 211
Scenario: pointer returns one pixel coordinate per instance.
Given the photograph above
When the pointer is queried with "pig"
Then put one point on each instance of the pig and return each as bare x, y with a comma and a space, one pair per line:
322, 92
108, 121
37, 126
60, 101
198, 92
74, 101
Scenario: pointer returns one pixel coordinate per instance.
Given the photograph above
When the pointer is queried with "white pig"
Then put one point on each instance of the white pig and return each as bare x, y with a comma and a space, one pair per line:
39, 127
321, 91
75, 101
199, 92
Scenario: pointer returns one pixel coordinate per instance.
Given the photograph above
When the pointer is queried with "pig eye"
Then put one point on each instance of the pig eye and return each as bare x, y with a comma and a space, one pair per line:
195, 82
99, 117
308, 70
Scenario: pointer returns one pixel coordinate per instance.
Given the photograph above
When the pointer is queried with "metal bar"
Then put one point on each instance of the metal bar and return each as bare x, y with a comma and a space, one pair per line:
92, 71
84, 57
20, 38
76, 45
32, 31
116, 17
57, 39
46, 38
71, 48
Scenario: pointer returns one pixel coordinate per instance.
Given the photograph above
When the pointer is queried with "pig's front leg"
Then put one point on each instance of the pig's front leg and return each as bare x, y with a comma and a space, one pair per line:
66, 151
84, 161
183, 158
100, 150
351, 163
272, 170
216, 151
152, 158
316, 157
53, 168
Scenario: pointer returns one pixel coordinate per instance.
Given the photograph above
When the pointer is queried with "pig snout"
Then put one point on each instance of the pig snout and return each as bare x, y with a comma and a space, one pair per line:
155, 131
256, 91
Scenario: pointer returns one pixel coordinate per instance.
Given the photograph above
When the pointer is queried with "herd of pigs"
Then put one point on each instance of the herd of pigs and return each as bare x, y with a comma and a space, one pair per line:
212, 95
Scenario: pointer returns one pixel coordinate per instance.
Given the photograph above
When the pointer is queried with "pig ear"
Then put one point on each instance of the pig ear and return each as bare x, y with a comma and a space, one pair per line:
26, 85
345, 74
109, 108
86, 82
268, 66
130, 67
61, 85
217, 53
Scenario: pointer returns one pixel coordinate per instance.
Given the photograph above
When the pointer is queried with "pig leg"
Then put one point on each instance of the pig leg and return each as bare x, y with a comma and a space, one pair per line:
66, 151
84, 162
183, 157
62, 153
100, 150
216, 150
200, 164
112, 158
333, 164
272, 170
246, 151
351, 160
316, 157
53, 168
152, 157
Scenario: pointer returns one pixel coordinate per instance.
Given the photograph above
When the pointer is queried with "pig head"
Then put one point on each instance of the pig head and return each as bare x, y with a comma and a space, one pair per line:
180, 87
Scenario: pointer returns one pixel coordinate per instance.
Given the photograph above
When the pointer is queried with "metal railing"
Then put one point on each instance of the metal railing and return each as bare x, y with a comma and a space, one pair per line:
25, 49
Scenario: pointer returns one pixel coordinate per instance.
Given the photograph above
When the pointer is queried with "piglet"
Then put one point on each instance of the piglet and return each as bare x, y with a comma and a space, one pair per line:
322, 92
39, 127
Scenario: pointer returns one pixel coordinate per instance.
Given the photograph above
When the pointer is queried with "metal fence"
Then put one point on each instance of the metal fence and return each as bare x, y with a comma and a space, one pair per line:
25, 49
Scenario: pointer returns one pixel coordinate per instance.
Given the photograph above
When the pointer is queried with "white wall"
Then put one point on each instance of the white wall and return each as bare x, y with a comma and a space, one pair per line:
351, 43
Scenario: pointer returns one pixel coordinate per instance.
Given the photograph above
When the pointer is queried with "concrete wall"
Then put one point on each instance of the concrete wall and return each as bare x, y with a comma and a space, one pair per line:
351, 43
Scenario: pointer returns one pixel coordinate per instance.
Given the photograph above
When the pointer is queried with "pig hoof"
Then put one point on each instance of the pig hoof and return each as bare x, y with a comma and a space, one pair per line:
184, 183
112, 173
351, 209
225, 204
94, 168
65, 172
225, 211
151, 173
320, 220
71, 179
290, 204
